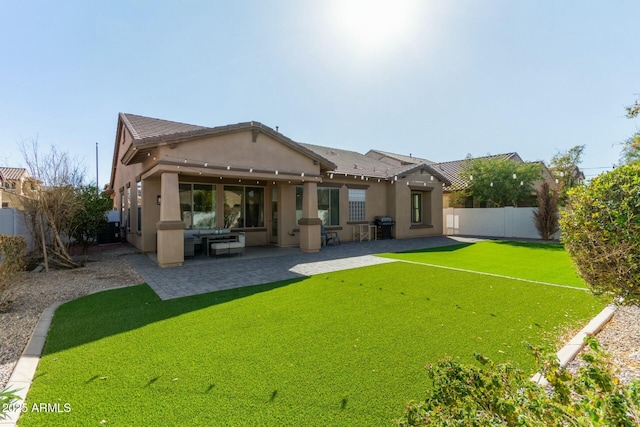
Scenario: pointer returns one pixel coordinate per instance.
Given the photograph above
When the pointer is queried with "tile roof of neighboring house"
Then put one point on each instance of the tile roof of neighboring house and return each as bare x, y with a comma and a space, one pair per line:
12, 174
452, 169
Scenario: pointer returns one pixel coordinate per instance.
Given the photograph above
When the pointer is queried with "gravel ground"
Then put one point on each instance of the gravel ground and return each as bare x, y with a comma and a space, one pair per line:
621, 338
33, 292
108, 268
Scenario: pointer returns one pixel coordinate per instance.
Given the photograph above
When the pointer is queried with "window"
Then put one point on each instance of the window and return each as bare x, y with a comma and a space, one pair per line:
416, 208
197, 205
184, 194
139, 204
129, 207
254, 207
233, 196
122, 208
243, 206
328, 205
421, 208
356, 204
204, 206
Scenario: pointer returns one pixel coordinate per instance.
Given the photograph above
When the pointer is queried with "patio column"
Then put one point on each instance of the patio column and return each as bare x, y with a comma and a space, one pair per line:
170, 227
310, 223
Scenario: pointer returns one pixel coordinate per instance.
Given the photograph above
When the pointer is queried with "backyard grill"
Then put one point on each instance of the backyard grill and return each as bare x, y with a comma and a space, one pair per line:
384, 224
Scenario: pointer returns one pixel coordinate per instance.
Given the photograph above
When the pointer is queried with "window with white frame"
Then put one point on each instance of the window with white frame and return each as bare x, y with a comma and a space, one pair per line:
357, 205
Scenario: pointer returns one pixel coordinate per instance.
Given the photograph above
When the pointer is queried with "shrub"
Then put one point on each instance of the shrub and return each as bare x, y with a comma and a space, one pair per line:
546, 215
12, 261
601, 232
502, 395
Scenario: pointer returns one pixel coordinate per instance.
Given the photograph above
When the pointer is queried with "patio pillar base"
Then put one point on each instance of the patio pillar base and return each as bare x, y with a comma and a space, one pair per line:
310, 239
170, 243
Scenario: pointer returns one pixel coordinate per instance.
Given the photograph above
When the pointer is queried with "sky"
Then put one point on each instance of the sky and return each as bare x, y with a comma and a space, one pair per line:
436, 79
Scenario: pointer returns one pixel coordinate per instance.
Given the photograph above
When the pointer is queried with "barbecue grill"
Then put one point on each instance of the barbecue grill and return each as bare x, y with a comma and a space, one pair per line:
384, 224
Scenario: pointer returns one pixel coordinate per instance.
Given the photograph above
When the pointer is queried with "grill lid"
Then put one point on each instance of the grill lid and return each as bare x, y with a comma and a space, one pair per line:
384, 220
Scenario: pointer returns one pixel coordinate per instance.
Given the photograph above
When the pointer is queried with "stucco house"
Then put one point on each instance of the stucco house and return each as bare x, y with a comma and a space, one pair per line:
15, 183
168, 178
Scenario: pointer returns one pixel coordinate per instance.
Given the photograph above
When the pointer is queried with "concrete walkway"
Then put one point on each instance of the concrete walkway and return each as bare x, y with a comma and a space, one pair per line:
261, 265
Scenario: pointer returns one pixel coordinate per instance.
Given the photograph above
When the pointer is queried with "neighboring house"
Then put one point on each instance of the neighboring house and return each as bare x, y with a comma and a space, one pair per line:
168, 176
15, 183
452, 171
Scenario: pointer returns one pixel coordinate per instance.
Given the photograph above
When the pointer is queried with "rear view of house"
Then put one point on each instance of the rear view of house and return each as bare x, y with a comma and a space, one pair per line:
170, 178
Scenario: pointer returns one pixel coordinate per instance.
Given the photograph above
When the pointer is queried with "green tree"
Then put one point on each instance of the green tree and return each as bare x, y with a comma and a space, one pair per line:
564, 168
90, 216
630, 150
498, 182
601, 232
631, 147
633, 110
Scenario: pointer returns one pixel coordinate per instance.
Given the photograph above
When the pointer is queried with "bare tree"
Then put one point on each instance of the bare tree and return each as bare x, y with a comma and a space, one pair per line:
54, 202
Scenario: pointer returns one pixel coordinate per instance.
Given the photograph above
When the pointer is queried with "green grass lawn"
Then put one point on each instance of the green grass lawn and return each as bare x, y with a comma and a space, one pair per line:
345, 348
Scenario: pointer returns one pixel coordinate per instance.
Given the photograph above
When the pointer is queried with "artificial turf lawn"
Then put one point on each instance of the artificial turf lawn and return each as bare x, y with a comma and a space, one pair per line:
345, 348
544, 262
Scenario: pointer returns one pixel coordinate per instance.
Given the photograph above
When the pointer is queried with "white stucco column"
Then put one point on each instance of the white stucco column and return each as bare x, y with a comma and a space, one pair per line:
170, 227
310, 223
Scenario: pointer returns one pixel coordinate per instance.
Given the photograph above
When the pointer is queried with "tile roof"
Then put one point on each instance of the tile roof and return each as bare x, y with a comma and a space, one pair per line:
13, 173
148, 132
354, 163
410, 159
452, 169
142, 127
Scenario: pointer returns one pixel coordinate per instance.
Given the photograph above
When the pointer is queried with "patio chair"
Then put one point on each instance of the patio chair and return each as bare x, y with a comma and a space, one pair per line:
327, 237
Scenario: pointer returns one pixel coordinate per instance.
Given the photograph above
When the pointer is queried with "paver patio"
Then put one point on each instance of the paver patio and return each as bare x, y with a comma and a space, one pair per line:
260, 265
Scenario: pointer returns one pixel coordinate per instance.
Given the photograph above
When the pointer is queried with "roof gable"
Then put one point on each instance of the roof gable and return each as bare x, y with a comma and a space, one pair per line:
148, 133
